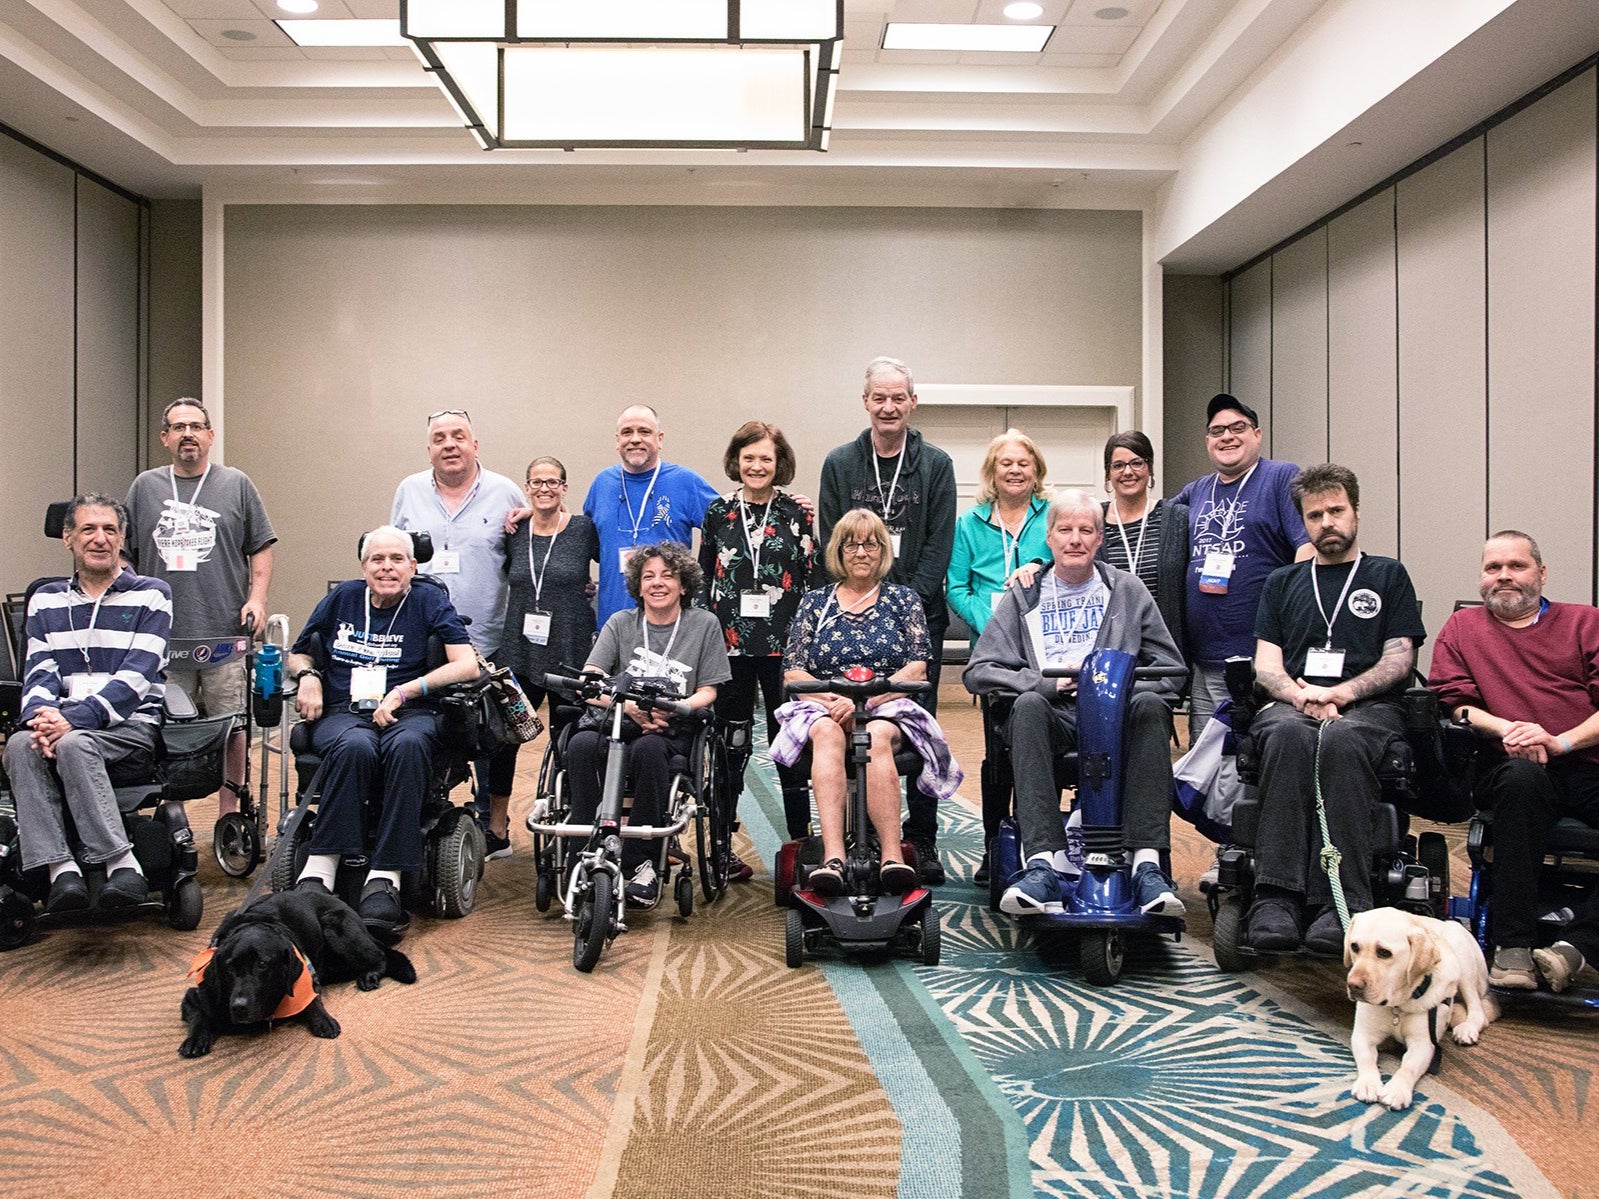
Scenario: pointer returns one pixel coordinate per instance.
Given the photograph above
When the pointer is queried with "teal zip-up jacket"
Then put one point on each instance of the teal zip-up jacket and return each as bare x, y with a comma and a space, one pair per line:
977, 569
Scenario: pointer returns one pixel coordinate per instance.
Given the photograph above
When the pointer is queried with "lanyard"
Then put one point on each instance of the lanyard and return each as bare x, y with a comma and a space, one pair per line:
1013, 545
1135, 557
94, 615
754, 544
832, 600
1237, 496
644, 635
366, 631
888, 504
544, 567
1339, 606
644, 504
194, 499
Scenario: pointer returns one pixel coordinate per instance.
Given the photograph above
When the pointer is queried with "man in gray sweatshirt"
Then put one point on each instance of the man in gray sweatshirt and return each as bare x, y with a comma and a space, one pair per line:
1076, 606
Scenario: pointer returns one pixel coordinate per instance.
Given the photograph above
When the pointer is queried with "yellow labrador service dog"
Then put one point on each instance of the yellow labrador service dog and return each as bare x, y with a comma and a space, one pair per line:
1405, 972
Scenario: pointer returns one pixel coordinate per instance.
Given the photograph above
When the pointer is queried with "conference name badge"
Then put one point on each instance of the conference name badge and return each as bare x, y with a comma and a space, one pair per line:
1217, 569
1324, 664
182, 560
447, 562
82, 686
754, 604
368, 683
536, 628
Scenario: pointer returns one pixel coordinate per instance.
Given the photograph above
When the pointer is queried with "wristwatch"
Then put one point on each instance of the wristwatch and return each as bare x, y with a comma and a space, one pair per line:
309, 670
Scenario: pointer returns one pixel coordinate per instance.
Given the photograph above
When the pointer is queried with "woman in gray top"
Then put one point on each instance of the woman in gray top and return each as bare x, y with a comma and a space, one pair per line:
549, 621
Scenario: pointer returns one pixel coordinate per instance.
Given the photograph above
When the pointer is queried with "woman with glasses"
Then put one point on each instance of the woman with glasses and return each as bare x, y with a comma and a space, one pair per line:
861, 620
758, 552
549, 622
1005, 531
1145, 536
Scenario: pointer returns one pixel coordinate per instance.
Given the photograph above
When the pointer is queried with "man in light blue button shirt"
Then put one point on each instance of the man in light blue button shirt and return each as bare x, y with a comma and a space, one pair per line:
463, 507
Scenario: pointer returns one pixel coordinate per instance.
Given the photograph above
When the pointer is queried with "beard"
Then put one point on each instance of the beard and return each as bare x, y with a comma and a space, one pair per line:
1332, 543
1512, 602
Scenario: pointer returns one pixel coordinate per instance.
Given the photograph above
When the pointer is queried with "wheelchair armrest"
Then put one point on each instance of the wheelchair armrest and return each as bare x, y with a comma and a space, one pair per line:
179, 704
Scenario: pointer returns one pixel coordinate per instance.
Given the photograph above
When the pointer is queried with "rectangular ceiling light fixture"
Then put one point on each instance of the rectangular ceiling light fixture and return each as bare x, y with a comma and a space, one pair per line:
341, 32
626, 74
1018, 39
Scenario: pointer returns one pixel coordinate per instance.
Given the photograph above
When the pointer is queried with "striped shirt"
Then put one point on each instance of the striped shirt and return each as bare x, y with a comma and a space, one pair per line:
1118, 552
121, 638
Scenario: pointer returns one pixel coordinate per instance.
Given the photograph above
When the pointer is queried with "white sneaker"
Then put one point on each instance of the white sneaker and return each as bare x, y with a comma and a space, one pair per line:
644, 888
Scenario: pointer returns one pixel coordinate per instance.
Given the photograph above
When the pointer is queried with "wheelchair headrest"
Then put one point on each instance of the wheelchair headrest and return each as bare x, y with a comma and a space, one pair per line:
421, 545
55, 519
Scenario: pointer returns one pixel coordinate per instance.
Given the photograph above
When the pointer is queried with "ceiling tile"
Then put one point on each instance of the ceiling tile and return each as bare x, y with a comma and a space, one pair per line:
216, 10
266, 33
351, 53
935, 11
983, 58
242, 52
1080, 39
1138, 12
388, 10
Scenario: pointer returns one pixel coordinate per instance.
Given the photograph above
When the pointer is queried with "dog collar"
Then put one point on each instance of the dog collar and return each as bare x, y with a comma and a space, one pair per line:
1421, 987
296, 1001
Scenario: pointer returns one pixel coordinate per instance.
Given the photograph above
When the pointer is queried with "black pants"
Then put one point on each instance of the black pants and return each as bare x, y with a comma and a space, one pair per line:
921, 810
736, 701
649, 765
360, 760
502, 763
1527, 799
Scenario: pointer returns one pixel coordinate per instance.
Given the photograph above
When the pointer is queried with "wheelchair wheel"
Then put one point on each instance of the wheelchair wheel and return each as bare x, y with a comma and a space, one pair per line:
713, 832
685, 894
236, 844
1227, 935
793, 938
932, 936
457, 867
289, 854
593, 923
1432, 851
1103, 956
544, 889
16, 919
186, 905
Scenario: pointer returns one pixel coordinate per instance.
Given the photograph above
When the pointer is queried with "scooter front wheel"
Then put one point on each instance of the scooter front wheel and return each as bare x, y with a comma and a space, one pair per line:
593, 922
1102, 956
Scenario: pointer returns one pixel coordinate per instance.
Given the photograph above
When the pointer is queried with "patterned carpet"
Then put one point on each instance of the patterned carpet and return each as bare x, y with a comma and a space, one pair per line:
694, 1063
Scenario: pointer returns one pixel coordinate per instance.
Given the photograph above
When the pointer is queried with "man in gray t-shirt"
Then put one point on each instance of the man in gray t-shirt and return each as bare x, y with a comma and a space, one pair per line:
202, 528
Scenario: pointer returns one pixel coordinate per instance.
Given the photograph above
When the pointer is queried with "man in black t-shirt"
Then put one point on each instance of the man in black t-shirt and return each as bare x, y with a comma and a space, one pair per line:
1335, 643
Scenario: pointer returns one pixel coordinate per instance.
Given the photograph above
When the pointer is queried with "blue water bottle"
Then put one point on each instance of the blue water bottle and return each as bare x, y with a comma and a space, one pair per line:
267, 701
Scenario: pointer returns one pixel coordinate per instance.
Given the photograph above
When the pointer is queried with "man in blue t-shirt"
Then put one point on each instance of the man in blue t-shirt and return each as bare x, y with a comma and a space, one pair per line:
375, 723
643, 501
1242, 525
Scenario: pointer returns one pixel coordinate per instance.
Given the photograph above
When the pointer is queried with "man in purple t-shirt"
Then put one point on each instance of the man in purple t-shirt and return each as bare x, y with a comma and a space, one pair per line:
1524, 673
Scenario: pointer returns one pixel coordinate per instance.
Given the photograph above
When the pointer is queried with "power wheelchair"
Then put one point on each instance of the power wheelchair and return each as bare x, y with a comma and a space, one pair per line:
1424, 773
187, 764
580, 864
454, 846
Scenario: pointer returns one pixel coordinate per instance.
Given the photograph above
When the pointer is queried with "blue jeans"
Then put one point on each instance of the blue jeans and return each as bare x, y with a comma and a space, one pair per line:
77, 781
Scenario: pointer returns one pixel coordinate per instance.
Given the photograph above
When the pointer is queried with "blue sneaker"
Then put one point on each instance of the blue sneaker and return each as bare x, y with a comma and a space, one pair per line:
1154, 893
1037, 891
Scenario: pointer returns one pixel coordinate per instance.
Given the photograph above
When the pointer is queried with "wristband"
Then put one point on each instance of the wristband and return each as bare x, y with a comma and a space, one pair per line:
400, 691
424, 683
1565, 744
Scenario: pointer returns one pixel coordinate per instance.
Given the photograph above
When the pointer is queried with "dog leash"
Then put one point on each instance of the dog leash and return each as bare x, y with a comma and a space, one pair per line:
1329, 856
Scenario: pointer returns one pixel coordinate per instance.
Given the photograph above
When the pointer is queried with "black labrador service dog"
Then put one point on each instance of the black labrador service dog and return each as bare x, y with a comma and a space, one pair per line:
267, 959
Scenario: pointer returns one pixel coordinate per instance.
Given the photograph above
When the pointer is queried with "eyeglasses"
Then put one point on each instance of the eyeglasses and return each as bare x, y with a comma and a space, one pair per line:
462, 412
1129, 466
545, 484
1238, 428
861, 547
188, 426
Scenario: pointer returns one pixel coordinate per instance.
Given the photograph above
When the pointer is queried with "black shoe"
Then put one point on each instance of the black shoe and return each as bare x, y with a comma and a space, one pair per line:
69, 893
125, 888
1325, 935
980, 876
312, 883
928, 865
495, 846
380, 906
1272, 926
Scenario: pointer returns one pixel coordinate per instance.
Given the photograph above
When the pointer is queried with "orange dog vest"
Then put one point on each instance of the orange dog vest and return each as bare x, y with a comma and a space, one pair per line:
296, 1001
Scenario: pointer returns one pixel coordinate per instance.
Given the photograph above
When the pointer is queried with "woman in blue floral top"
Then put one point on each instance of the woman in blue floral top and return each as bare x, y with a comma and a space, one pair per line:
758, 551
862, 620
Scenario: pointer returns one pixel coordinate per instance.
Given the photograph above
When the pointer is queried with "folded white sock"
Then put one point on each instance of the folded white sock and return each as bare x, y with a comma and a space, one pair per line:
392, 875
323, 866
57, 869
123, 861
1056, 861
1140, 856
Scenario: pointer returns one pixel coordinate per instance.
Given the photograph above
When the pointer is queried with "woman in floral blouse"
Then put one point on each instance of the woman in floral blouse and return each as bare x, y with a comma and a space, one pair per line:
758, 551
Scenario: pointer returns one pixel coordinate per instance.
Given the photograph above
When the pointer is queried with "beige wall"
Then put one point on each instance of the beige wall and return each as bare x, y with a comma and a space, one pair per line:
70, 348
1439, 340
345, 326
1195, 339
175, 280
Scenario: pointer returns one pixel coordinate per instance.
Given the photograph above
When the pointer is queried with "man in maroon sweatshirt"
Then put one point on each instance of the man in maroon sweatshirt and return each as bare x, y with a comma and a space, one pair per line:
1525, 673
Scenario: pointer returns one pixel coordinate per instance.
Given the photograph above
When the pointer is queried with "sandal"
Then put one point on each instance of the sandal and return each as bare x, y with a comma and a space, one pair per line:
897, 878
828, 878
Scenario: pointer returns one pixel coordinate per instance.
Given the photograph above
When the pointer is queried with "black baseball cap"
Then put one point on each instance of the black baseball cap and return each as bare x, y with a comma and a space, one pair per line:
1221, 402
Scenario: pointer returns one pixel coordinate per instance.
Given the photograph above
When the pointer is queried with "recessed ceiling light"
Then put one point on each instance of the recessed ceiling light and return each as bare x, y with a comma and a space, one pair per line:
1114, 13
299, 6
238, 35
1019, 39
1024, 10
376, 32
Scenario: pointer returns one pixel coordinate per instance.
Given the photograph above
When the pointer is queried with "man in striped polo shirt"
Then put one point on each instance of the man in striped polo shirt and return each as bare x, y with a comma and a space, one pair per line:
91, 697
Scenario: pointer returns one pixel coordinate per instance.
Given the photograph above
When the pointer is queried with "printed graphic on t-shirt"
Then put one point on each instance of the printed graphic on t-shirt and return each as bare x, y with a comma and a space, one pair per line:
1065, 625
1219, 528
647, 664
185, 529
1365, 603
357, 647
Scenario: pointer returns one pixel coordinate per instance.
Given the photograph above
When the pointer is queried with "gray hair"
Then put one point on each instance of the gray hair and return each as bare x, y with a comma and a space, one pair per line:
1074, 499
93, 499
397, 534
1518, 535
888, 366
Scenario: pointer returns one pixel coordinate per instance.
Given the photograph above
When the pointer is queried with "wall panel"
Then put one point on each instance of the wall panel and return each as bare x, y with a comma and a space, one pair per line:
1194, 316
1249, 365
36, 343
107, 340
1442, 378
1299, 351
1363, 382
1541, 331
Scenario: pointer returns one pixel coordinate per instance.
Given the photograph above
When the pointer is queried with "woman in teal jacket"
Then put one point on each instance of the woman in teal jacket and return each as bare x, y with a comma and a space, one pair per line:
1004, 531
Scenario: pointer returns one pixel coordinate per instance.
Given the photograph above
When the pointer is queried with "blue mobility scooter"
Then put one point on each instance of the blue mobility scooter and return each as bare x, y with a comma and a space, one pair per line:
863, 918
1098, 903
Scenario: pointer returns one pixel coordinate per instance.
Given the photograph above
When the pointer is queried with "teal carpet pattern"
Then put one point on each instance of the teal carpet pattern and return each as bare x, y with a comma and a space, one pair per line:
1012, 1076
